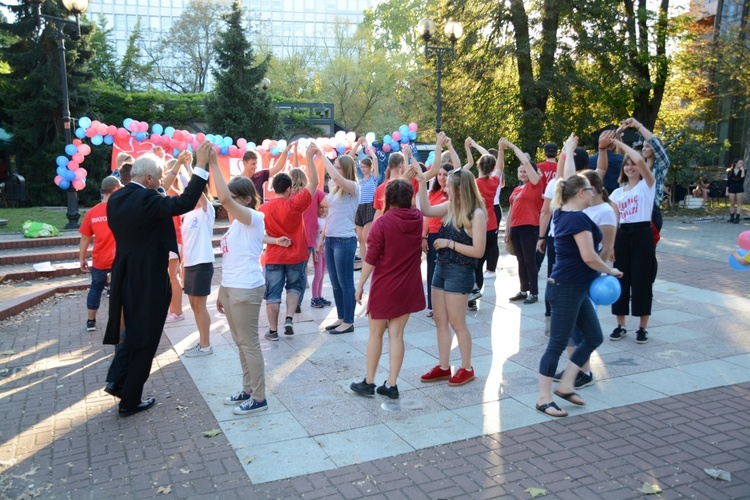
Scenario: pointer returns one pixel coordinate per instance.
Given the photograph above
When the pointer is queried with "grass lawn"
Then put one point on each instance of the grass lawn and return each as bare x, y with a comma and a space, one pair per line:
17, 216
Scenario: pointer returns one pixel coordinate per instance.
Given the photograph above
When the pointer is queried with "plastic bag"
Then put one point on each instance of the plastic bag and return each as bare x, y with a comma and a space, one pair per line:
39, 230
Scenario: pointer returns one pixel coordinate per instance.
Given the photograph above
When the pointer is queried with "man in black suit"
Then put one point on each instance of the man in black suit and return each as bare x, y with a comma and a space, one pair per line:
141, 221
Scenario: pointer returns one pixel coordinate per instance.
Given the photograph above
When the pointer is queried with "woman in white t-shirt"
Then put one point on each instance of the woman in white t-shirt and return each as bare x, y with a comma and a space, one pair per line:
242, 283
635, 253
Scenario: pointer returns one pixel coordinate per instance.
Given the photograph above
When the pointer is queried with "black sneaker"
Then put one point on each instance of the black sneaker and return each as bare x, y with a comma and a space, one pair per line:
391, 392
316, 303
272, 335
363, 388
618, 333
298, 309
531, 299
584, 380
324, 301
472, 306
641, 336
518, 296
90, 325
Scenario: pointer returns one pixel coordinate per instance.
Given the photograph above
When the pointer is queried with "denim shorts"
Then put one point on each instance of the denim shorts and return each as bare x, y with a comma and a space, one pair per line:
277, 275
453, 278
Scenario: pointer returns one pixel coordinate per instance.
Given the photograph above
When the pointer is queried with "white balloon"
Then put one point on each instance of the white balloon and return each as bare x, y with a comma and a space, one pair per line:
370, 137
281, 144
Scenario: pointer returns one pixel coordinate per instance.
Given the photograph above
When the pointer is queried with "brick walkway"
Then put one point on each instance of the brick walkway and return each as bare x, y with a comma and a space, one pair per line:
59, 437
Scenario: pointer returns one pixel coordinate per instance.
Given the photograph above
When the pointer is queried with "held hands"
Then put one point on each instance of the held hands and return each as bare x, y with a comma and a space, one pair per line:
185, 158
606, 139
502, 143
203, 153
439, 140
571, 143
159, 151
414, 172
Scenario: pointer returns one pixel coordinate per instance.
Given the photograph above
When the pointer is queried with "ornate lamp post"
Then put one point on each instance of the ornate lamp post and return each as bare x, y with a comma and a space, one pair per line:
453, 31
75, 7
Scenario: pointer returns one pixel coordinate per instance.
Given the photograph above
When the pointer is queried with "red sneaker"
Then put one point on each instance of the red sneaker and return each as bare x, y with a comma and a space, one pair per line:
462, 376
436, 374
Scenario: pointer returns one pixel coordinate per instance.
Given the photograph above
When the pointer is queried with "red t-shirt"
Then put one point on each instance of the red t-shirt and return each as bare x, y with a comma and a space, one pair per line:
436, 198
547, 172
379, 201
95, 224
487, 188
284, 218
526, 205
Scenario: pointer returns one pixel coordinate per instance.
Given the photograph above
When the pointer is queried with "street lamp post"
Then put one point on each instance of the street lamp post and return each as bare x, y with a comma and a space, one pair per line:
75, 7
453, 30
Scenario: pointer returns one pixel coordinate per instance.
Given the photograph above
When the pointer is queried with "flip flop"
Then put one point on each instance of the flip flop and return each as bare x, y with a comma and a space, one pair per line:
543, 408
569, 398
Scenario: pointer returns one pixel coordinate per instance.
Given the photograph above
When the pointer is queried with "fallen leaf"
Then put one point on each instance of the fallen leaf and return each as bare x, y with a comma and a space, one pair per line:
185, 471
212, 433
650, 489
718, 474
181, 408
536, 492
9, 352
165, 490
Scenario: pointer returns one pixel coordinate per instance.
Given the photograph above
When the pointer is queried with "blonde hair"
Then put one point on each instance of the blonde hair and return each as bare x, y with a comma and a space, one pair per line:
348, 170
465, 199
567, 189
299, 179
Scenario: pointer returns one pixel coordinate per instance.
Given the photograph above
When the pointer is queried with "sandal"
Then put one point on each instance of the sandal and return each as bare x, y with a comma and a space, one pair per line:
569, 398
543, 408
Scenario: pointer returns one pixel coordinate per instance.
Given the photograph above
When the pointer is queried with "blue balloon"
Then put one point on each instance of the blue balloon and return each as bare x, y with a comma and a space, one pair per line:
210, 138
404, 130
387, 139
340, 149
69, 175
226, 142
84, 122
736, 265
80, 133
224, 150
157, 129
405, 139
61, 171
605, 290
413, 135
275, 151
395, 146
98, 139
169, 131
61, 161
126, 123
109, 140
251, 146
175, 152
64, 183
70, 150
140, 136
218, 140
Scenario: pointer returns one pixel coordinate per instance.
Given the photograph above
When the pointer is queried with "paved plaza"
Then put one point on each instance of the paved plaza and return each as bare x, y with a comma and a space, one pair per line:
658, 413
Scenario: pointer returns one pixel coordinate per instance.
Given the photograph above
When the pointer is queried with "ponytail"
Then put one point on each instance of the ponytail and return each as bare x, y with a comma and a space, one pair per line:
567, 189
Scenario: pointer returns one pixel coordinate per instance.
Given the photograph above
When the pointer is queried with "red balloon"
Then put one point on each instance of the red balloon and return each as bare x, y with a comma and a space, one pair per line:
78, 158
200, 137
102, 129
84, 149
177, 135
134, 126
111, 130
744, 240
122, 133
187, 136
91, 132
73, 165
77, 142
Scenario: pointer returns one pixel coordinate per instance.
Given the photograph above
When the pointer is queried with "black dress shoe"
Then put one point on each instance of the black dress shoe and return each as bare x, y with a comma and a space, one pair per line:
113, 390
143, 406
350, 329
333, 327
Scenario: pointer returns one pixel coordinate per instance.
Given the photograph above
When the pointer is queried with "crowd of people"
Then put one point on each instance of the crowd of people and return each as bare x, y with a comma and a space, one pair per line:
153, 232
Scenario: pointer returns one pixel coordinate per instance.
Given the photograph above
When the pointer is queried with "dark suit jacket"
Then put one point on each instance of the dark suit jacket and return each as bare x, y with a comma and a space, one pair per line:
141, 222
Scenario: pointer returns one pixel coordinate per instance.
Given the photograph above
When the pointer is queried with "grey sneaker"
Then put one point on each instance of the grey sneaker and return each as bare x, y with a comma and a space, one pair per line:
641, 336
531, 299
238, 398
289, 327
475, 294
272, 335
618, 333
197, 351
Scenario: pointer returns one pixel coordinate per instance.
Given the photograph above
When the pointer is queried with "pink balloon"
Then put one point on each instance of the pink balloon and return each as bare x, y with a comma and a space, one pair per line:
195, 144
122, 133
57, 180
241, 152
111, 130
95, 124
174, 143
78, 184
351, 136
78, 158
200, 137
217, 148
261, 151
396, 135
91, 132
134, 126
233, 150
77, 142
102, 129
155, 138
241, 143
187, 137
84, 149
177, 135
744, 240
73, 165
143, 127
182, 146
266, 144
81, 173
386, 148
413, 127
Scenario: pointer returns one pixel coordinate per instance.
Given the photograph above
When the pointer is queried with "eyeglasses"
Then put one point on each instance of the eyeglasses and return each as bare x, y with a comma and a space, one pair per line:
234, 197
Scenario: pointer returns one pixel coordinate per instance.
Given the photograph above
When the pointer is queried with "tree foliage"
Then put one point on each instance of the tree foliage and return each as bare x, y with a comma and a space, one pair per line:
134, 71
103, 64
238, 107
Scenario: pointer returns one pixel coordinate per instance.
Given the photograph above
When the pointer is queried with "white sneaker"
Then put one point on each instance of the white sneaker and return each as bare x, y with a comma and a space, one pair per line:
197, 350
172, 317
489, 275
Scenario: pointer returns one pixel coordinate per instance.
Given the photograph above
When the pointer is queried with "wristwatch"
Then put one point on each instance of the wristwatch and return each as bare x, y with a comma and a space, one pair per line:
542, 237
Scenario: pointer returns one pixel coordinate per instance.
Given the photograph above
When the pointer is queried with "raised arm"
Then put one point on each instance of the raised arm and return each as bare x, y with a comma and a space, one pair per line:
569, 167
355, 148
469, 156
375, 163
280, 162
525, 163
312, 170
424, 201
455, 160
606, 139
206, 154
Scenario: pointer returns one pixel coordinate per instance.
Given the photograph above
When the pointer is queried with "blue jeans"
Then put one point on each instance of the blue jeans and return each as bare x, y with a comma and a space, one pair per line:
279, 274
98, 280
340, 261
571, 307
